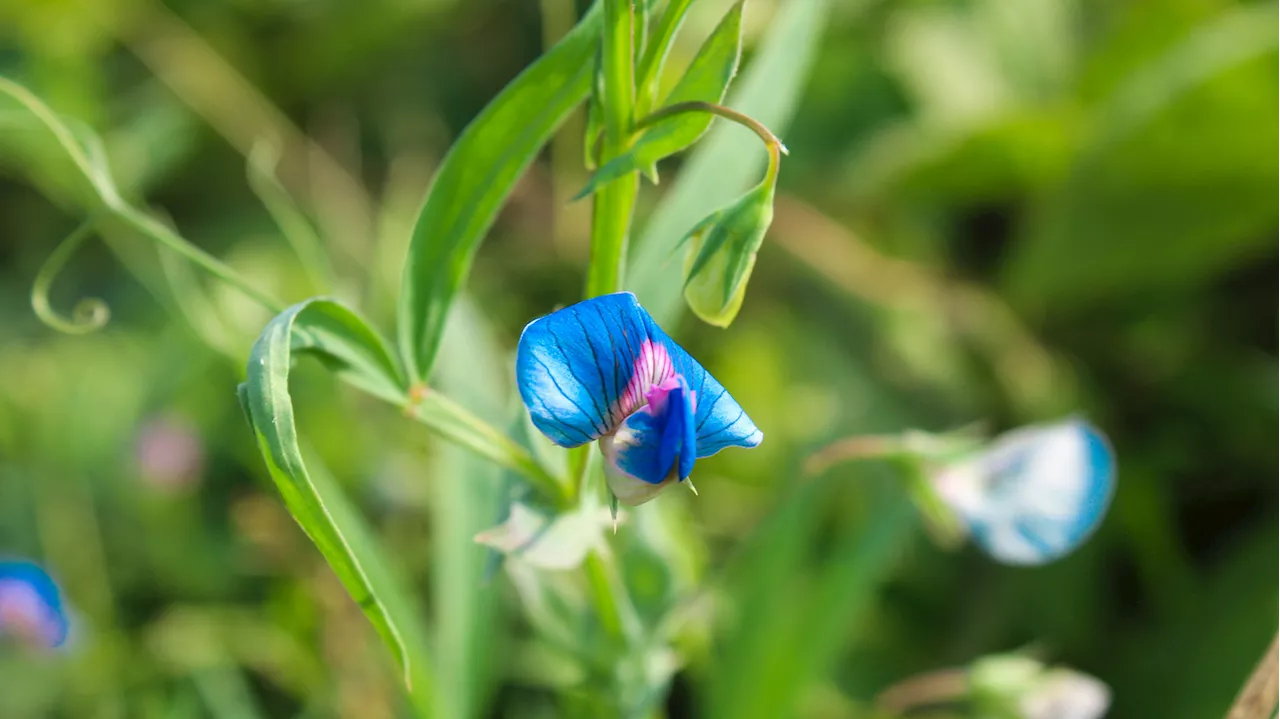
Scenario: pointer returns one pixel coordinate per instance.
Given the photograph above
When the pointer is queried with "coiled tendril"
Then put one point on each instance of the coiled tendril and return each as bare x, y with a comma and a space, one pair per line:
90, 313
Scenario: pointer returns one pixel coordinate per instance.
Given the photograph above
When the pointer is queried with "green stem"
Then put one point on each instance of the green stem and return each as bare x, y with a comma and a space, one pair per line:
771, 142
99, 178
141, 222
291, 221
458, 425
609, 595
613, 203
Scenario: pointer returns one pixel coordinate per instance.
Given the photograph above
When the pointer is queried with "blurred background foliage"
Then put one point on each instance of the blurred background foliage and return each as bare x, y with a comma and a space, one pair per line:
992, 210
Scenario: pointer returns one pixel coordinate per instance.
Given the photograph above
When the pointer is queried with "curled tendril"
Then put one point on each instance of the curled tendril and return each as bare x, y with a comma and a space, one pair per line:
90, 313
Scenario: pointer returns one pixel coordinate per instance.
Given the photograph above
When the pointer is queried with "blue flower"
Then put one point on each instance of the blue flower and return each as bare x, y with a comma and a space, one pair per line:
1034, 494
603, 370
30, 605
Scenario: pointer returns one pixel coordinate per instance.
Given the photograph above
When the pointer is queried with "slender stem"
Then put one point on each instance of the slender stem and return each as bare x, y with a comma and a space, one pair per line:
458, 425
1257, 698
617, 614
614, 202
289, 218
159, 232
771, 142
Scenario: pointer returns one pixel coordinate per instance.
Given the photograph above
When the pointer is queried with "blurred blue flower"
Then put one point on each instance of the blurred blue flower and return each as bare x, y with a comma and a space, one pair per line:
603, 370
1034, 494
30, 605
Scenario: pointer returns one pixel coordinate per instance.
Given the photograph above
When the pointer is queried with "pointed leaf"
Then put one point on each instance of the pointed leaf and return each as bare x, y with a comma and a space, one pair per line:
473, 182
649, 75
342, 340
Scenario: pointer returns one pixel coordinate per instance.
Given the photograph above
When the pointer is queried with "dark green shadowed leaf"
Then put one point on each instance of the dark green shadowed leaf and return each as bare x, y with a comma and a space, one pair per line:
706, 80
341, 340
477, 175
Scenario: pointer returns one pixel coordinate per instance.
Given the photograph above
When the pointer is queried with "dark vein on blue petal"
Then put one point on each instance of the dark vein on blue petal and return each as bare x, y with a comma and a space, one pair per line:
613, 354
702, 382
550, 416
568, 363
723, 391
741, 412
560, 389
595, 359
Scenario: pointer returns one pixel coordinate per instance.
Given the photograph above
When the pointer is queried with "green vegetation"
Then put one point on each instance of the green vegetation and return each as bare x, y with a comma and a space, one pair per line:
992, 214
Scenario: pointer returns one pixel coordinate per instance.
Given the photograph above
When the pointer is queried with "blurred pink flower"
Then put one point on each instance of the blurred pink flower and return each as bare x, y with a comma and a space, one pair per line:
170, 453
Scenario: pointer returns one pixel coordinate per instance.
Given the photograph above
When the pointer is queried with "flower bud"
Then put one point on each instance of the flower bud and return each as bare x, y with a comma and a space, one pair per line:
722, 253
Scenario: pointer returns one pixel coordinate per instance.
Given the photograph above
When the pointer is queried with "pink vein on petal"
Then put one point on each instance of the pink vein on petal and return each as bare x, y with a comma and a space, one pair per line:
651, 368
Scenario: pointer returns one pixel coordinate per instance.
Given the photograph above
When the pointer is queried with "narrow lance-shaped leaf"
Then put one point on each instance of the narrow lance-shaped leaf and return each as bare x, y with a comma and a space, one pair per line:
706, 80
477, 175
595, 118
649, 74
343, 341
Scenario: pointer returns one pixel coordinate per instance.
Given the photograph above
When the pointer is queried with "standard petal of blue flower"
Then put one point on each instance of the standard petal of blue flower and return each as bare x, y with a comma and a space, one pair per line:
584, 369
29, 596
1037, 493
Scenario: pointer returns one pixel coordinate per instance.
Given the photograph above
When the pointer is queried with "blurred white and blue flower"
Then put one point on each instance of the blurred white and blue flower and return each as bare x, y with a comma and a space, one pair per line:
1030, 496
603, 370
31, 608
1034, 494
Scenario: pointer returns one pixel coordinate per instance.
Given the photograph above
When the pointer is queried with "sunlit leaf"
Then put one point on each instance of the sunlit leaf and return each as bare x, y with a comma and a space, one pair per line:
341, 340
649, 72
474, 180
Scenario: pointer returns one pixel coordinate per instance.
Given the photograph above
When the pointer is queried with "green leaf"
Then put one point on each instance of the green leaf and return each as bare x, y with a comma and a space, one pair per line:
649, 75
474, 180
595, 119
706, 80
730, 160
340, 339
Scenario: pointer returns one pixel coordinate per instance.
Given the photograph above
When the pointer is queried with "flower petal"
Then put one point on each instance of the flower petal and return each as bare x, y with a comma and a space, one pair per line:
654, 446
30, 605
584, 369
1036, 494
